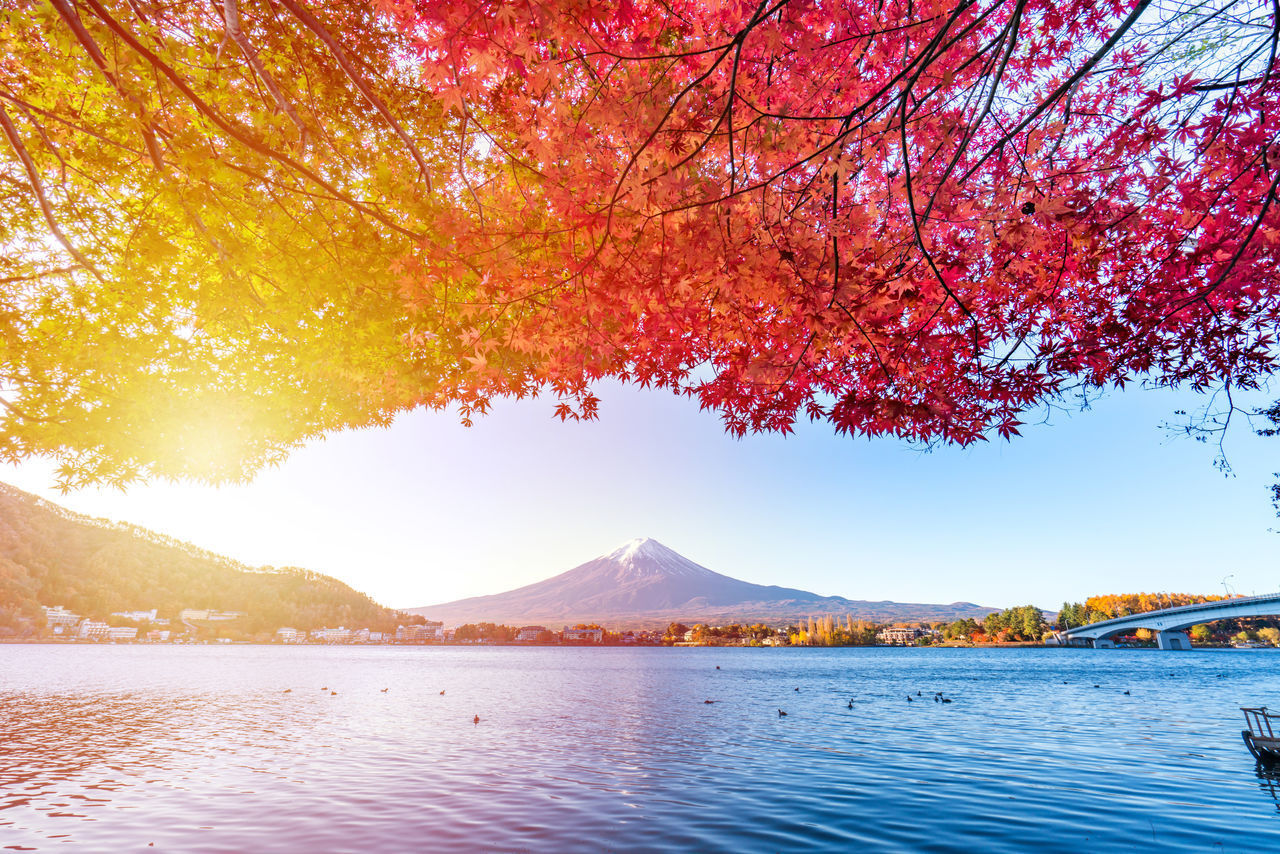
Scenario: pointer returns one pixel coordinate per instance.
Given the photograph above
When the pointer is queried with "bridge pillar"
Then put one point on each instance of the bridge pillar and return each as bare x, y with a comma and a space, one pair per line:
1173, 640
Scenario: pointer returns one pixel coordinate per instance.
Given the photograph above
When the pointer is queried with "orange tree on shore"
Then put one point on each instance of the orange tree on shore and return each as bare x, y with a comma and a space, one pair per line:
232, 226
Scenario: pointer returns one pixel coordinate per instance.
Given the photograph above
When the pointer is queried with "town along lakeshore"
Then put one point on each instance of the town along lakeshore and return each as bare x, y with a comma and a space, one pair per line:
310, 748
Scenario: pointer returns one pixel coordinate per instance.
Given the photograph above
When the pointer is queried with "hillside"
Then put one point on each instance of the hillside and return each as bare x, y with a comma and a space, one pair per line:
645, 584
51, 556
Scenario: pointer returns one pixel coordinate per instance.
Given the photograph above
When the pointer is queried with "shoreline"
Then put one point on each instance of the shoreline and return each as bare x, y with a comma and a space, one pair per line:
972, 646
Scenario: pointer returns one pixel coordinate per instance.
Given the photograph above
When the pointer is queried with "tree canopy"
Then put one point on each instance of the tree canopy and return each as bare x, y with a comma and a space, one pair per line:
231, 226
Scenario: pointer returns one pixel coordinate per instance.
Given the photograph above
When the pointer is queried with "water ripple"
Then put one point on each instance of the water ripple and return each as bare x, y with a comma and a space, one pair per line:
194, 749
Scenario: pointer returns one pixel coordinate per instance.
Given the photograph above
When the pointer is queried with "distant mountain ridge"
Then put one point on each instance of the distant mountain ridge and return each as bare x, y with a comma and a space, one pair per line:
52, 556
644, 583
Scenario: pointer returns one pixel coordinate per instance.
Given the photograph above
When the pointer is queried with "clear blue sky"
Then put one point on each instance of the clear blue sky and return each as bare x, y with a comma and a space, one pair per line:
429, 511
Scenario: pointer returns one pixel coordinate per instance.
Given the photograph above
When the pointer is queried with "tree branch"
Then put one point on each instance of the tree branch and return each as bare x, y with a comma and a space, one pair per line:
34, 177
231, 20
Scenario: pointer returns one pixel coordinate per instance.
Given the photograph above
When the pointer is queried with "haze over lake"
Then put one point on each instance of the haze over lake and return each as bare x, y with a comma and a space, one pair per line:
199, 749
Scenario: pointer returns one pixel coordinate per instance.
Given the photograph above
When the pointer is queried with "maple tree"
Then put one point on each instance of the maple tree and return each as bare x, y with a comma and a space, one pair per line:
908, 218
202, 208
899, 216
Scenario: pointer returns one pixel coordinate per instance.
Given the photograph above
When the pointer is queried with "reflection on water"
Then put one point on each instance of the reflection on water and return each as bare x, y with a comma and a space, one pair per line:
195, 749
1269, 782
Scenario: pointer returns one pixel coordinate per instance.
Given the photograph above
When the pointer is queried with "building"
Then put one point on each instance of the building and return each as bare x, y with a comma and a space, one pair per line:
122, 633
93, 630
899, 636
137, 616
288, 635
531, 634
582, 635
59, 619
428, 632
338, 635
207, 615
158, 635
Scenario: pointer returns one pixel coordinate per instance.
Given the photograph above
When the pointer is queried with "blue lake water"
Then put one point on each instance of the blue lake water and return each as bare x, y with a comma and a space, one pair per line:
199, 749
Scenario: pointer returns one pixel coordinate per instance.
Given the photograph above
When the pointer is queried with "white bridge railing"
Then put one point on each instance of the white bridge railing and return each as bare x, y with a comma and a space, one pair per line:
1169, 623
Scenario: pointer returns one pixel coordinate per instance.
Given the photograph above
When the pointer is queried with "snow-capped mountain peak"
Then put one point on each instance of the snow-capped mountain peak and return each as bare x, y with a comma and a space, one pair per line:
646, 556
637, 547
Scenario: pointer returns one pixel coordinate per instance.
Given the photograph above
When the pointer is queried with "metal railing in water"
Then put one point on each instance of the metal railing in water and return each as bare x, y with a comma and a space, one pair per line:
1259, 720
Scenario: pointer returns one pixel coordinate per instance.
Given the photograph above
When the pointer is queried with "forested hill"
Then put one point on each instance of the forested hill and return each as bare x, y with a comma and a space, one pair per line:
51, 556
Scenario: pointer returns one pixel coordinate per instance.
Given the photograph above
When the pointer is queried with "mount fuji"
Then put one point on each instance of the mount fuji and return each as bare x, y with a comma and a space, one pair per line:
645, 584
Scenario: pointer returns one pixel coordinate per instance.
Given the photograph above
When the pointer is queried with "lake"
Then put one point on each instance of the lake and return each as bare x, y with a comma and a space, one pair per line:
247, 749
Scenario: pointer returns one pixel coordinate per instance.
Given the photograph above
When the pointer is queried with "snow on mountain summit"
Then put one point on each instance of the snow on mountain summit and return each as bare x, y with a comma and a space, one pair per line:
647, 556
639, 547
629, 548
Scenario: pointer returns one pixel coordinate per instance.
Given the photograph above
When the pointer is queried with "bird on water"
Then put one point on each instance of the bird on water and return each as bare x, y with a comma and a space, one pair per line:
781, 713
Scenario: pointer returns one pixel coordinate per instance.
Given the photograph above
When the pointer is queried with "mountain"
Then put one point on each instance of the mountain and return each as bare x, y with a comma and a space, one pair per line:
51, 556
644, 583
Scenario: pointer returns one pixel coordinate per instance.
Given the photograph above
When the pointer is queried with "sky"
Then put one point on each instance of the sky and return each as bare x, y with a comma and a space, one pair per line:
427, 511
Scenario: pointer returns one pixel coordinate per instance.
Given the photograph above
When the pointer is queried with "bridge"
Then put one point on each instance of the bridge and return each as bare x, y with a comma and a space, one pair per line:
1170, 624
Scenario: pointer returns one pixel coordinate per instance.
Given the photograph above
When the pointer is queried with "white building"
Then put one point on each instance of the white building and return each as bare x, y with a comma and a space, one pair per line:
208, 615
288, 635
137, 616
93, 630
582, 635
338, 635
60, 619
122, 633
899, 636
530, 634
429, 631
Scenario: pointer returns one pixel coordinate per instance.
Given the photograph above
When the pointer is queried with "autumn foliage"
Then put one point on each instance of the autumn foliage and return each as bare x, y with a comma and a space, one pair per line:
1109, 606
908, 218
911, 218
